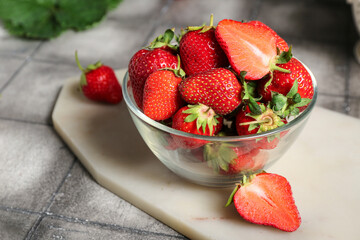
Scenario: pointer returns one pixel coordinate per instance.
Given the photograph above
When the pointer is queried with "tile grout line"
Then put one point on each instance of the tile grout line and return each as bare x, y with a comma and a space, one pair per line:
23, 64
33, 229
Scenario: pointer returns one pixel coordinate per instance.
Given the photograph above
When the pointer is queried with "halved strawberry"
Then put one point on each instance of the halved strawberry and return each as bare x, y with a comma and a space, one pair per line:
249, 47
267, 199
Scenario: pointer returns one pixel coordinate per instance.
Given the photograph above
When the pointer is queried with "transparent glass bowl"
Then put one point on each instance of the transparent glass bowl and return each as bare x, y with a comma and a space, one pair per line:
249, 153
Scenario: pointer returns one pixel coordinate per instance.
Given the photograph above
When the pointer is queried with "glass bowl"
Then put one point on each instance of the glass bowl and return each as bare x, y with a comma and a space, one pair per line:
205, 160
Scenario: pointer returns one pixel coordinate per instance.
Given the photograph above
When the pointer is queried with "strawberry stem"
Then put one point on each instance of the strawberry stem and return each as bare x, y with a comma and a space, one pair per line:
78, 62
267, 120
211, 20
274, 67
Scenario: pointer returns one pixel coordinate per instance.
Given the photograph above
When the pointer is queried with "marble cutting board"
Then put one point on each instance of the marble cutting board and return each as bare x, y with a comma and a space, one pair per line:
323, 168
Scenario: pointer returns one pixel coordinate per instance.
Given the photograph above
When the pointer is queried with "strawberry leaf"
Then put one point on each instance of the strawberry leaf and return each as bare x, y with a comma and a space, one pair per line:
231, 197
284, 57
293, 90
254, 107
278, 101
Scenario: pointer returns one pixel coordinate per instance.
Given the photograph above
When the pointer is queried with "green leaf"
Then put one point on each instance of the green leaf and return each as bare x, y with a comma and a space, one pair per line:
231, 197
293, 90
296, 98
284, 57
278, 101
112, 4
252, 126
254, 107
80, 14
303, 102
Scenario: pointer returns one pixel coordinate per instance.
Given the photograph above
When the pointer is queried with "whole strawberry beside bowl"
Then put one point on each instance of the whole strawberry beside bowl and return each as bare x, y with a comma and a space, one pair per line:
215, 124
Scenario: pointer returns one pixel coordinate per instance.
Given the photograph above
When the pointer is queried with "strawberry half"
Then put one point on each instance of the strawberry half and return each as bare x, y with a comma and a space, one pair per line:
280, 42
159, 54
267, 199
200, 51
98, 82
250, 47
217, 88
196, 119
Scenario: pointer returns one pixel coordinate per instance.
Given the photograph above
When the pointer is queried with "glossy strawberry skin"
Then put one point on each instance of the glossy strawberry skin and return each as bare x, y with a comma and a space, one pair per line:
248, 47
200, 51
268, 200
217, 88
102, 85
190, 127
280, 42
161, 97
282, 82
143, 63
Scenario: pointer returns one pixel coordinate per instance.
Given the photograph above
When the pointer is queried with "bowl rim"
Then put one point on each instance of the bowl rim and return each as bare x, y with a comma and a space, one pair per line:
301, 117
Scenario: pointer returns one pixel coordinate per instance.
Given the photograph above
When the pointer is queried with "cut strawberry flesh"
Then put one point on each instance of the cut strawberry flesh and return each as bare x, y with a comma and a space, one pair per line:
248, 47
268, 200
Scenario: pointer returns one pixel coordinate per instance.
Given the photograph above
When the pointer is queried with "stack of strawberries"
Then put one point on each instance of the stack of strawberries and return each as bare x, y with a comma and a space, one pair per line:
238, 78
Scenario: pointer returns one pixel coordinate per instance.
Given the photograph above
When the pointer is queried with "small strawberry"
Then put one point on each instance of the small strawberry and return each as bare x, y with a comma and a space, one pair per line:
199, 50
99, 83
217, 88
248, 123
159, 54
266, 199
280, 43
250, 47
230, 159
298, 81
161, 96
196, 119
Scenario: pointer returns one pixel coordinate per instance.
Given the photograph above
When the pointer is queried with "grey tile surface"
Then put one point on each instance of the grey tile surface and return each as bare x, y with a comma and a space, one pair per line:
29, 176
81, 197
15, 224
45, 193
54, 228
8, 67
33, 92
113, 41
14, 46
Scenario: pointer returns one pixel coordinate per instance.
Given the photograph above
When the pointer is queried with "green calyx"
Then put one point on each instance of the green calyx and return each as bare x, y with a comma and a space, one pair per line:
164, 40
205, 117
88, 69
281, 58
219, 155
266, 121
179, 72
286, 106
245, 181
203, 28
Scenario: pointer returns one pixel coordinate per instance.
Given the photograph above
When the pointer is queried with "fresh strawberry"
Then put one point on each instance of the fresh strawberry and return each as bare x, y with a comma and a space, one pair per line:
249, 123
217, 88
196, 119
161, 96
267, 199
199, 50
158, 55
99, 83
230, 159
249, 47
283, 83
280, 43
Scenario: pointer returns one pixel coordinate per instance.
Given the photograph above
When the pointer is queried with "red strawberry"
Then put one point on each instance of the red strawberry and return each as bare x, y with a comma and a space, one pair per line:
199, 50
217, 88
280, 43
249, 47
283, 82
230, 159
267, 199
158, 55
249, 123
161, 96
196, 119
99, 83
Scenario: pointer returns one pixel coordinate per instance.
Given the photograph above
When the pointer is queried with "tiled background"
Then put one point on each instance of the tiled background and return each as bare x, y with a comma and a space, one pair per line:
45, 193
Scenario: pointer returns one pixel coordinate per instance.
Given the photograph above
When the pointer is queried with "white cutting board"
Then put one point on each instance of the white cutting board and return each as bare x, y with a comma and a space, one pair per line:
323, 168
